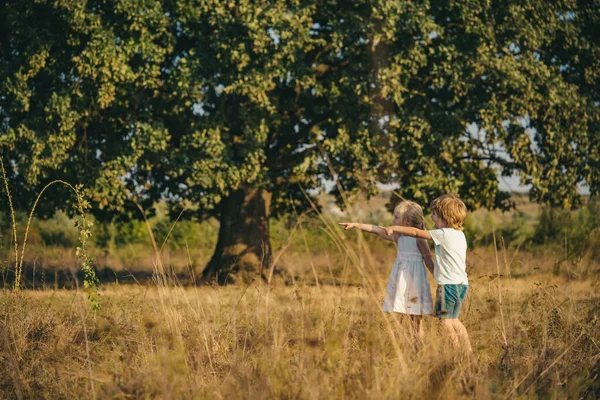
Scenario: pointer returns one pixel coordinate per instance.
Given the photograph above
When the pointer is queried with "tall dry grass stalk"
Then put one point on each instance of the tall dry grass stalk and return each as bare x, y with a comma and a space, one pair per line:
14, 240
500, 306
91, 282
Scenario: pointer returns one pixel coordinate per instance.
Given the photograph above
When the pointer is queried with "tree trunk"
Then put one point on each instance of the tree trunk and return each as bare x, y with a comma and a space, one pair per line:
243, 249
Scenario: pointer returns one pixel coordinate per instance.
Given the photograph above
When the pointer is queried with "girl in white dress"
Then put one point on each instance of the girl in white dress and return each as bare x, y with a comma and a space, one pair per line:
408, 289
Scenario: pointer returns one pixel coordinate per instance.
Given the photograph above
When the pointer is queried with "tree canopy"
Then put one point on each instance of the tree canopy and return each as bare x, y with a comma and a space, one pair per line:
240, 106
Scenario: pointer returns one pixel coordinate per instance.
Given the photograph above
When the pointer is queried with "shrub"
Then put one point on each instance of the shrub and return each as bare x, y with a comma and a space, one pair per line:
59, 230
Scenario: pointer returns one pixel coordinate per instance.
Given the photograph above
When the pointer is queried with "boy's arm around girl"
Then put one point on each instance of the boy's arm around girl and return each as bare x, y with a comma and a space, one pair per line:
392, 233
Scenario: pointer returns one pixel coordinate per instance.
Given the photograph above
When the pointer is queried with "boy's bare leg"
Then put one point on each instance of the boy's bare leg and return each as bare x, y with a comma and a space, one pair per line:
457, 333
463, 336
450, 332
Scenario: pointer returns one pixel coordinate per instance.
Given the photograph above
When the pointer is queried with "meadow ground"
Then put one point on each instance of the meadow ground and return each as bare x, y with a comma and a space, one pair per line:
534, 335
316, 331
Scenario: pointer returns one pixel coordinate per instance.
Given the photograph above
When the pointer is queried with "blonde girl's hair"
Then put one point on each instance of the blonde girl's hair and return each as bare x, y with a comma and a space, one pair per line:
411, 214
451, 209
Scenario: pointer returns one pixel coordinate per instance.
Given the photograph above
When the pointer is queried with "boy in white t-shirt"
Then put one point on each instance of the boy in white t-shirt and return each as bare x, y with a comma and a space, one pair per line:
448, 215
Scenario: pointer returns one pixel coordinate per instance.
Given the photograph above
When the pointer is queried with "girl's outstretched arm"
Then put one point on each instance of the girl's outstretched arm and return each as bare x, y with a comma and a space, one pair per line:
408, 231
377, 230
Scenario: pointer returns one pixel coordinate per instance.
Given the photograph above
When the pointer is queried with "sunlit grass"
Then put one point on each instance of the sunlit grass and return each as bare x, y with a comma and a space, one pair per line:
261, 341
312, 327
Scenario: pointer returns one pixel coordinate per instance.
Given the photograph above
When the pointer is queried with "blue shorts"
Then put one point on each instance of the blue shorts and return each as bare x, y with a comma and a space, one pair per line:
448, 299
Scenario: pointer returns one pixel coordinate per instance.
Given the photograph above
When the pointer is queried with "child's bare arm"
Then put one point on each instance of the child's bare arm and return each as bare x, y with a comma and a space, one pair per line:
408, 231
377, 230
426, 253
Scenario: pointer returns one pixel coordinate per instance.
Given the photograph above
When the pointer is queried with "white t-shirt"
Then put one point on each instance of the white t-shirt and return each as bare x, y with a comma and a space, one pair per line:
450, 256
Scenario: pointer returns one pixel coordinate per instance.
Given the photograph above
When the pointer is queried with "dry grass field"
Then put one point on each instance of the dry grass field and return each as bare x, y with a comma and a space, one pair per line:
317, 330
534, 335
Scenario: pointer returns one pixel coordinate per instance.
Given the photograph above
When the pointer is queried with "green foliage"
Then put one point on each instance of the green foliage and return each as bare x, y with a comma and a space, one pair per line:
575, 230
571, 234
77, 79
59, 230
196, 99
134, 231
451, 92
105, 235
516, 231
231, 103
189, 101
186, 233
553, 225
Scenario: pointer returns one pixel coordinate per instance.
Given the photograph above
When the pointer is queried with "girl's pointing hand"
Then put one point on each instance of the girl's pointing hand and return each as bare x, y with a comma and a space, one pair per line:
347, 225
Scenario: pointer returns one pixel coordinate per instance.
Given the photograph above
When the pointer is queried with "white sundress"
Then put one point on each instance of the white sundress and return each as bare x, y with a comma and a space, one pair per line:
408, 289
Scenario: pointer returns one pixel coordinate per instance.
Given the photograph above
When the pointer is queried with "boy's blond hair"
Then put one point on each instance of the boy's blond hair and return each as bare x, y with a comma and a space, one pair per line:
451, 209
411, 214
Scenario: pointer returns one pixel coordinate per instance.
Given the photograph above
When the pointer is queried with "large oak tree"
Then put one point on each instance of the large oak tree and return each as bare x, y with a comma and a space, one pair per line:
233, 108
